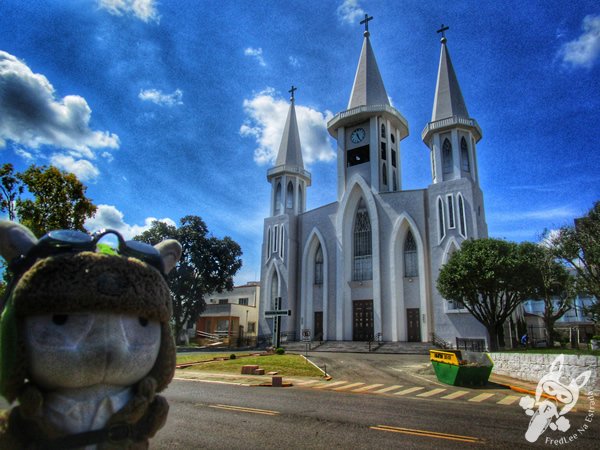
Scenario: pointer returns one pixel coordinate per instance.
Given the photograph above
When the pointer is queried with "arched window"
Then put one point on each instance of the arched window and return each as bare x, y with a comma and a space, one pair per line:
411, 261
384, 174
382, 130
281, 242
447, 157
289, 196
441, 221
274, 290
278, 199
275, 238
451, 218
462, 220
363, 268
319, 266
464, 156
395, 183
300, 200
268, 242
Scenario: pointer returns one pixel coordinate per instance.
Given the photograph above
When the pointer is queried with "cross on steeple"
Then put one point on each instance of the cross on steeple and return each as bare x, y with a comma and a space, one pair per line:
443, 30
366, 22
291, 91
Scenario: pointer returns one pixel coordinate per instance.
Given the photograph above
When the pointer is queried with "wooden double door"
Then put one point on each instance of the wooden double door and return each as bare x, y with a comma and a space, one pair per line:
362, 313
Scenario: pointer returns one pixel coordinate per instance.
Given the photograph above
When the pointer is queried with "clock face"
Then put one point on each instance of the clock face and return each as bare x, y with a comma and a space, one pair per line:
357, 135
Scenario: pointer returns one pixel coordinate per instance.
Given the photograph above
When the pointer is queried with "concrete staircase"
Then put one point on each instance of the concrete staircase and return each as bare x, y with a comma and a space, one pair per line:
418, 348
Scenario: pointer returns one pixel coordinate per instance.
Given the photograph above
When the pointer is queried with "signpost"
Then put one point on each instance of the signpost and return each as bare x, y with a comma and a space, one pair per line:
276, 314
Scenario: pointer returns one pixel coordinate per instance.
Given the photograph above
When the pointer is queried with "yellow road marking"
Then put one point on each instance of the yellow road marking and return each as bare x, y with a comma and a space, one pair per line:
244, 409
509, 400
387, 389
431, 392
455, 395
409, 390
348, 386
367, 388
328, 385
481, 397
431, 434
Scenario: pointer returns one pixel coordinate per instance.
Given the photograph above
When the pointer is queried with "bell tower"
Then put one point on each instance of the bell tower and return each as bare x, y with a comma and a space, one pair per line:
369, 131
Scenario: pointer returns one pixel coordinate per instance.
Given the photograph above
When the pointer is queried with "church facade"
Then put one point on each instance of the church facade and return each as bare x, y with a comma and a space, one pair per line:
365, 266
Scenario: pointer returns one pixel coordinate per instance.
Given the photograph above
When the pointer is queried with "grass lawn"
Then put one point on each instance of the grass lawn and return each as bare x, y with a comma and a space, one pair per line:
183, 358
288, 365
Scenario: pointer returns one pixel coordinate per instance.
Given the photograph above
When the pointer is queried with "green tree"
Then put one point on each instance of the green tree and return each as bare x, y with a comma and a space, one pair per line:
490, 278
554, 285
579, 247
58, 202
207, 264
10, 190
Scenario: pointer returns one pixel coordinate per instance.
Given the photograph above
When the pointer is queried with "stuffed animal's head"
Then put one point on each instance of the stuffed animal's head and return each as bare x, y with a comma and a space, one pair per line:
77, 317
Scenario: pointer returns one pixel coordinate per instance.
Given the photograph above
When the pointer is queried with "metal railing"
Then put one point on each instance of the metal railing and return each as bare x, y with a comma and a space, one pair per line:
439, 342
473, 345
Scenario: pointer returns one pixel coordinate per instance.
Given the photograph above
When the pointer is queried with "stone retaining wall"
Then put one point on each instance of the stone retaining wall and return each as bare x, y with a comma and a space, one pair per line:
533, 366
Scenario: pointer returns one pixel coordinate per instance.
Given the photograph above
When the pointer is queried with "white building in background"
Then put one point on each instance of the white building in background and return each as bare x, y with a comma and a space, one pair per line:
368, 262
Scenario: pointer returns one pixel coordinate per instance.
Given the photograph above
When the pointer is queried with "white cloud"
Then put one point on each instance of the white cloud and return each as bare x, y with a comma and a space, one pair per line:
108, 216
32, 116
144, 10
256, 53
350, 11
583, 51
82, 168
266, 114
294, 62
27, 156
160, 98
562, 212
108, 156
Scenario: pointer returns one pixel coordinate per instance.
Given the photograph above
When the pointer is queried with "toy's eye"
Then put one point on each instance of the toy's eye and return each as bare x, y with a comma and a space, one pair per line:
60, 319
143, 321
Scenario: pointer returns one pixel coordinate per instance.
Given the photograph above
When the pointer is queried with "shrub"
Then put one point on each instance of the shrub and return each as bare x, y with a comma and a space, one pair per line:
232, 356
280, 351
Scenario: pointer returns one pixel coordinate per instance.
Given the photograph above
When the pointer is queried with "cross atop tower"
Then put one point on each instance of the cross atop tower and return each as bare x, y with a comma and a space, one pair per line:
366, 22
291, 91
442, 30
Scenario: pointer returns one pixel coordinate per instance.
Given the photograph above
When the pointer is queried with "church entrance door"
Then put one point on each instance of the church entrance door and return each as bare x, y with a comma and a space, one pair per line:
318, 333
363, 320
414, 325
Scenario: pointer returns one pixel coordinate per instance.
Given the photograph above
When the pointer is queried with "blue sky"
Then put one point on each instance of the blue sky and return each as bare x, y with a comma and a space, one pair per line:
171, 108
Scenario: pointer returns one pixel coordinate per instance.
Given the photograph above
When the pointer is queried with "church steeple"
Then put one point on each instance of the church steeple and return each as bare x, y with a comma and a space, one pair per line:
452, 134
290, 152
448, 100
288, 178
368, 88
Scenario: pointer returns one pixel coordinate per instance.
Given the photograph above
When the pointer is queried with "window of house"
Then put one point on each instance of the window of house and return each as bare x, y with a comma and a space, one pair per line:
251, 327
451, 218
395, 183
363, 268
319, 266
275, 238
383, 151
441, 221
382, 130
462, 220
300, 200
392, 138
223, 325
282, 242
243, 301
384, 174
464, 156
447, 164
393, 158
411, 266
358, 156
223, 301
268, 242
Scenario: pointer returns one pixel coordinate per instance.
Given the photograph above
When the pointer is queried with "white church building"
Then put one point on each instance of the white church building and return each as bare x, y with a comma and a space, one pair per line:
366, 265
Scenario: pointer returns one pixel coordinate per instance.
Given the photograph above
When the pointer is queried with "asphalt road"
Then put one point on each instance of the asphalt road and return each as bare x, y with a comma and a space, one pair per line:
221, 416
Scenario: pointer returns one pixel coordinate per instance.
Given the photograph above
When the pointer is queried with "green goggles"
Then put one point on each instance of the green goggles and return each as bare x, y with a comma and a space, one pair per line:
73, 241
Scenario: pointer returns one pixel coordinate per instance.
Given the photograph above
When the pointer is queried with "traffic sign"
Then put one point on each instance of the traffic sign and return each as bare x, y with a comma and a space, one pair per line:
278, 313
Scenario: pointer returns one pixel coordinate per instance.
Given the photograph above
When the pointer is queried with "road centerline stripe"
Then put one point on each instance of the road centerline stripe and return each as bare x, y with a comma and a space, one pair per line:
455, 394
245, 409
431, 392
409, 390
431, 434
481, 397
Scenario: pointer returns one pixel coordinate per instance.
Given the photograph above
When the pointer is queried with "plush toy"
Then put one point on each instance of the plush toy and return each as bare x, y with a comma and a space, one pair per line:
85, 342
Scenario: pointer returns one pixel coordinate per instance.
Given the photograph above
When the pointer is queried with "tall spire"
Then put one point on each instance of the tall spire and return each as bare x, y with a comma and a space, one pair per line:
290, 152
448, 100
368, 86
